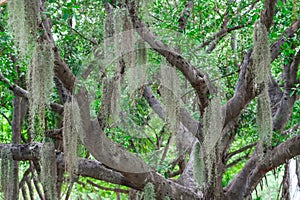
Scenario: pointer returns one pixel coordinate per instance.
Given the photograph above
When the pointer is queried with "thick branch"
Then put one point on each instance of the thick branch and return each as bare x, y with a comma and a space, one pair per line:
17, 89
87, 168
254, 171
287, 101
267, 14
94, 169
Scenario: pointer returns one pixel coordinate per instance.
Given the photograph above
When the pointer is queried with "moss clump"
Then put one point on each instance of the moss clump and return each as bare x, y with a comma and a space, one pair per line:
49, 169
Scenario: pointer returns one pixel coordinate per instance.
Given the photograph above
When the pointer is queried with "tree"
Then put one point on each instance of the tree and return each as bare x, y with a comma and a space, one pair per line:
122, 95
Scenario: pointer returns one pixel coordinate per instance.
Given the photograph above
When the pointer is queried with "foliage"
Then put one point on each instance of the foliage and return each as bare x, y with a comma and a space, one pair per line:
96, 42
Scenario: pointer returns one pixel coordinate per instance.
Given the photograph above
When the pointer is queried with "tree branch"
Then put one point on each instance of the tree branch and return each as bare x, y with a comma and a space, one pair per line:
185, 15
244, 91
254, 171
267, 14
229, 155
15, 88
87, 168
186, 119
287, 101
107, 188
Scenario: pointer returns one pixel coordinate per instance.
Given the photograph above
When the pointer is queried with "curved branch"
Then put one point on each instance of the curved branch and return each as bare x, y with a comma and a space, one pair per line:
86, 168
254, 171
95, 169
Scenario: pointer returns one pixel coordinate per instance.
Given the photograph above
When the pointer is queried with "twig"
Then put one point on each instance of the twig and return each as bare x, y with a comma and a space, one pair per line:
166, 149
226, 75
7, 119
233, 163
229, 155
81, 35
69, 190
106, 188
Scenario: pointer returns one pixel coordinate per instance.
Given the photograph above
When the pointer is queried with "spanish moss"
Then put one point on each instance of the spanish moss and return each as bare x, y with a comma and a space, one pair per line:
212, 129
6, 175
198, 168
261, 62
128, 42
23, 16
40, 82
70, 140
137, 76
171, 94
110, 100
48, 169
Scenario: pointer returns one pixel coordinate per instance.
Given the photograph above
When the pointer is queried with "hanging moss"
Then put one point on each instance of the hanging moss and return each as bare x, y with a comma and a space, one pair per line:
137, 75
16, 21
48, 169
171, 95
40, 82
198, 166
76, 116
110, 100
23, 19
212, 129
149, 191
70, 140
6, 175
261, 62
128, 42
212, 123
118, 23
